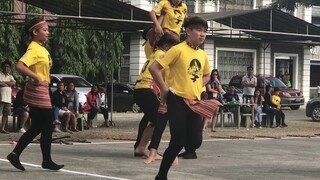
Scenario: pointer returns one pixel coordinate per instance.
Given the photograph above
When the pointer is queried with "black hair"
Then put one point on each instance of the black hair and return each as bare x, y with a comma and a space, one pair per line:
249, 67
211, 75
275, 89
6, 62
268, 87
195, 20
145, 33
32, 23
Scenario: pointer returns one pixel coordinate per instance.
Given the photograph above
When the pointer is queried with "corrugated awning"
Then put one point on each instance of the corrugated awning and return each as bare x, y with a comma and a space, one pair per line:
266, 24
111, 15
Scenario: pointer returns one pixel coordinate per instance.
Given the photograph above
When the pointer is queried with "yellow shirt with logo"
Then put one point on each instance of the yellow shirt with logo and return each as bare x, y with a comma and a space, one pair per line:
187, 68
276, 100
38, 59
145, 73
174, 17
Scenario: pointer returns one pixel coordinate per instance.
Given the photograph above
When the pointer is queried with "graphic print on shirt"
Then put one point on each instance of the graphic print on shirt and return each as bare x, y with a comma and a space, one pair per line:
194, 70
178, 16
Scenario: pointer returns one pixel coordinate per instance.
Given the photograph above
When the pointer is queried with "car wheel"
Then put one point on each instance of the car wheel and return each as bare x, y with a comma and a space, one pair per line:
135, 108
294, 107
315, 113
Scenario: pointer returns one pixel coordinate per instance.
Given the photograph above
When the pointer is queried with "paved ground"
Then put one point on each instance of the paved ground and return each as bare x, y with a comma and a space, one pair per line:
244, 159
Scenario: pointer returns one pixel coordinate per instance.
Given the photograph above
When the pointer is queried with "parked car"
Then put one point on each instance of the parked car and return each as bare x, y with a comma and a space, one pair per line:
123, 97
290, 97
81, 85
313, 109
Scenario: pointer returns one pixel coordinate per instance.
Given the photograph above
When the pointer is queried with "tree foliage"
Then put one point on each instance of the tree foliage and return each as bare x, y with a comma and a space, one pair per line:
89, 53
291, 5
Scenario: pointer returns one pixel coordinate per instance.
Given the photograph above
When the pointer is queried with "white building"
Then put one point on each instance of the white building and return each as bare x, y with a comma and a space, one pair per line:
231, 54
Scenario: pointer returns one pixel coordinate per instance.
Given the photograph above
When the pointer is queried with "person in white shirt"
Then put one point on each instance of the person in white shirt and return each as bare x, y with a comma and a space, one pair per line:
249, 82
6, 82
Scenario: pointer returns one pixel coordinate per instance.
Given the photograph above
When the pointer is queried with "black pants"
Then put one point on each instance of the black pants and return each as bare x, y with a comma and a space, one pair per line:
149, 104
41, 122
279, 117
93, 112
160, 125
270, 112
185, 126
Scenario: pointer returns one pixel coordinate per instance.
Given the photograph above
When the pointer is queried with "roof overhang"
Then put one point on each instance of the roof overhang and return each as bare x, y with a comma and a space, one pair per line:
111, 15
265, 24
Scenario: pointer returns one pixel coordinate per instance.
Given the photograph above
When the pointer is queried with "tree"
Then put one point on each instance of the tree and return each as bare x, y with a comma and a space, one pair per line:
291, 5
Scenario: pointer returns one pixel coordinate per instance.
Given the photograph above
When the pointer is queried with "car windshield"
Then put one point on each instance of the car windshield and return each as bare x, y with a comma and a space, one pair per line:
276, 83
77, 81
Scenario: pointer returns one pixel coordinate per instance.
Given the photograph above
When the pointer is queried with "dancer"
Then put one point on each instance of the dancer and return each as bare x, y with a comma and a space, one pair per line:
35, 64
189, 67
147, 100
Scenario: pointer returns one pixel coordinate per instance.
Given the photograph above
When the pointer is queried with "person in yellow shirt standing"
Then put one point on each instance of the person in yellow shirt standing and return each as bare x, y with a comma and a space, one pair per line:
189, 71
36, 64
147, 99
280, 117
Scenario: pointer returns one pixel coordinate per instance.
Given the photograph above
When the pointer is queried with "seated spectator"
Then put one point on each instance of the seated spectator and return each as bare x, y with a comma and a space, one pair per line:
93, 107
232, 97
73, 99
21, 110
258, 101
103, 106
268, 105
280, 117
60, 102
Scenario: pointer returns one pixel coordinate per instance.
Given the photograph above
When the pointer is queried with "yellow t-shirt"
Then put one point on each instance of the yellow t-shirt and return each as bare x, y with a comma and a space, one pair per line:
174, 17
38, 59
276, 100
145, 73
187, 68
148, 49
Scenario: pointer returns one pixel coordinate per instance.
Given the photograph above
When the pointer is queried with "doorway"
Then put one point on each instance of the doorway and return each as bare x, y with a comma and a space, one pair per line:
287, 63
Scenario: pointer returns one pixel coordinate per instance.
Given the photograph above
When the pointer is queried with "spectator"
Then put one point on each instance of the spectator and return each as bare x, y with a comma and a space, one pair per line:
21, 110
232, 97
286, 79
258, 101
249, 82
93, 107
60, 101
268, 105
73, 99
6, 82
103, 106
280, 117
214, 90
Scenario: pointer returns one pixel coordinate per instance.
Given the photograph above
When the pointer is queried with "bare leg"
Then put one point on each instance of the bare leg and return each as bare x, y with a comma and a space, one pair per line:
205, 123
153, 155
175, 162
4, 122
146, 136
66, 124
74, 123
214, 120
24, 119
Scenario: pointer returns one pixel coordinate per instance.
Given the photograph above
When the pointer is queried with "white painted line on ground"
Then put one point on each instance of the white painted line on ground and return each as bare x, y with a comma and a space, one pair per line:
72, 172
205, 140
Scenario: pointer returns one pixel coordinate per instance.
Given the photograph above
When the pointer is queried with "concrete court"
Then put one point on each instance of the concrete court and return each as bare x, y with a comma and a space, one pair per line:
244, 159
289, 158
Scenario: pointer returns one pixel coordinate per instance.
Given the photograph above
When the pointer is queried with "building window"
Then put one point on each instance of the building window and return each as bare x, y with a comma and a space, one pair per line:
231, 63
314, 73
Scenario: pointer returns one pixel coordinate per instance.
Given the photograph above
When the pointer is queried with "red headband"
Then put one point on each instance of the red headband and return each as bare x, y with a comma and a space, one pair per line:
38, 25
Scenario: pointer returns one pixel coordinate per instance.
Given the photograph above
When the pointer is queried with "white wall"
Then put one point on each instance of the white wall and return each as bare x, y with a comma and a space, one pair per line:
142, 4
305, 69
137, 56
264, 59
